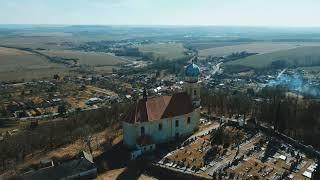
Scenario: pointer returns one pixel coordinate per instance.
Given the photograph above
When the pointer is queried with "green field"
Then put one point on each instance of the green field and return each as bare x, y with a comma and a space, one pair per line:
260, 47
17, 65
302, 56
164, 50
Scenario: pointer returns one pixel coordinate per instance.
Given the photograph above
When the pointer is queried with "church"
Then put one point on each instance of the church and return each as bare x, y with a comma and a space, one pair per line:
162, 119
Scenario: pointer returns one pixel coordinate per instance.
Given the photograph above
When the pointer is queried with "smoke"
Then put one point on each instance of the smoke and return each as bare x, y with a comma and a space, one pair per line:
295, 83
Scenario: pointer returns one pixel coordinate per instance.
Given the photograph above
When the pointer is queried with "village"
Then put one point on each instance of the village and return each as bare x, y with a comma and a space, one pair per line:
49, 99
234, 147
159, 90
227, 144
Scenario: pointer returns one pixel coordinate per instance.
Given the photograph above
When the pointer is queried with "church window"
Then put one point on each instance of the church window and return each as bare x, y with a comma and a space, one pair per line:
177, 123
188, 120
177, 135
142, 131
160, 127
195, 92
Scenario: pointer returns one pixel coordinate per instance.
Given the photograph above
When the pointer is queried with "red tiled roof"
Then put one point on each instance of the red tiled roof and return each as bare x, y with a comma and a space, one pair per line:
161, 107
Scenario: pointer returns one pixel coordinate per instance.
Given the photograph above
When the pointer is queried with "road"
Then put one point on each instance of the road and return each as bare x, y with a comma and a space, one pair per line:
280, 74
216, 68
102, 91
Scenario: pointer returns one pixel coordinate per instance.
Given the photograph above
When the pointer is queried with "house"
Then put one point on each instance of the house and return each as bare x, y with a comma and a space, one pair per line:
80, 168
93, 101
155, 120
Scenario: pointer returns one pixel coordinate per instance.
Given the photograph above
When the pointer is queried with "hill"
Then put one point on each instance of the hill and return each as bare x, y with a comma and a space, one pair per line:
300, 57
257, 47
101, 62
87, 58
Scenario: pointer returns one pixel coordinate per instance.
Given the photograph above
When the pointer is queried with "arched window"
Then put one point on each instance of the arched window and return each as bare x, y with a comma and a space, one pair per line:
160, 126
189, 120
142, 130
195, 92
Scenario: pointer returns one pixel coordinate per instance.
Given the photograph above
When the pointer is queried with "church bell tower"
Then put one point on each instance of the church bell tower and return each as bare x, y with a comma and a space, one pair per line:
192, 83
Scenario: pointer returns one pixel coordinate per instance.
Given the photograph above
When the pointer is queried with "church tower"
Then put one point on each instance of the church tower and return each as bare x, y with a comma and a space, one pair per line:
192, 83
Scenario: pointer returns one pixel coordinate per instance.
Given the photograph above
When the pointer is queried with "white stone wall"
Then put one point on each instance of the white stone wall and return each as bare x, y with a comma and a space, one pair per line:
168, 132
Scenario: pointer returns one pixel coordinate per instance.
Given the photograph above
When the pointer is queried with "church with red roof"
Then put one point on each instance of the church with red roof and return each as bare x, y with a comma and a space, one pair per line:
161, 119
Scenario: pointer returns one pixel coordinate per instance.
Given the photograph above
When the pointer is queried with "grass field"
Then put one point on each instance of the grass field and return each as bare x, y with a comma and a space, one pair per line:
212, 44
52, 40
261, 47
302, 56
311, 69
105, 69
34, 42
88, 58
18, 65
164, 50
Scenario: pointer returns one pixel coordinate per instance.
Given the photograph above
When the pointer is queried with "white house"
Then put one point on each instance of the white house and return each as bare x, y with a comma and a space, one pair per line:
161, 119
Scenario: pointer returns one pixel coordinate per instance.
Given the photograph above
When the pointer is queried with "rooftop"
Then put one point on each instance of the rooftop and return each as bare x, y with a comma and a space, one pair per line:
192, 70
156, 108
63, 170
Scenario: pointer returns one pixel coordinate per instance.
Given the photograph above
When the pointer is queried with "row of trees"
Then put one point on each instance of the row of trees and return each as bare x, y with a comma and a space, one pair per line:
289, 114
224, 104
58, 132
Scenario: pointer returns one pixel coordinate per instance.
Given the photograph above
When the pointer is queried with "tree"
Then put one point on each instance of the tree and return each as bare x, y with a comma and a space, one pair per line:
56, 77
3, 112
62, 109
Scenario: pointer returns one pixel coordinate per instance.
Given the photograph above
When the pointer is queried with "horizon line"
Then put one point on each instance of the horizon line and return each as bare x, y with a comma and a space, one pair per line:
154, 25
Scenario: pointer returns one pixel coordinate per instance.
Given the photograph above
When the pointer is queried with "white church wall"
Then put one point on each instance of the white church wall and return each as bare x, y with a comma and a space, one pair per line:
168, 131
186, 128
152, 129
129, 134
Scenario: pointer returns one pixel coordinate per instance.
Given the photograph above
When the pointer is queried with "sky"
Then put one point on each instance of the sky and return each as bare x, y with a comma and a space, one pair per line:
297, 13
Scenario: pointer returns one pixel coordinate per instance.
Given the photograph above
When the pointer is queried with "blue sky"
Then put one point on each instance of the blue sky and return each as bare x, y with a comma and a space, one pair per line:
162, 12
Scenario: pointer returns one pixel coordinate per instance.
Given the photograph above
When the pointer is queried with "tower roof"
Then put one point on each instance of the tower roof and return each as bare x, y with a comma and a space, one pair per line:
192, 70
